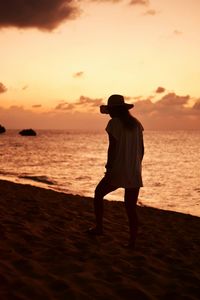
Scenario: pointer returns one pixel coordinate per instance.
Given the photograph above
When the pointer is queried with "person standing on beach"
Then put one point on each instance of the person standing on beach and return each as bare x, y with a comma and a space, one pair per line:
124, 163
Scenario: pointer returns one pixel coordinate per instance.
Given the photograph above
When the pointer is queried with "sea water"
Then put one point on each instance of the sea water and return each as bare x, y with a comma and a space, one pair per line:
74, 162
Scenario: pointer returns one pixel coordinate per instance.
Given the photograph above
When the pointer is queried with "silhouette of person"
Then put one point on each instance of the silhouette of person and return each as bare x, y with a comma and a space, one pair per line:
124, 163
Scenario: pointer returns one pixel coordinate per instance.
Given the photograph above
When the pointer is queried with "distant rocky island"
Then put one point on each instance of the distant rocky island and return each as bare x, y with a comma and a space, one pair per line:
28, 132
2, 129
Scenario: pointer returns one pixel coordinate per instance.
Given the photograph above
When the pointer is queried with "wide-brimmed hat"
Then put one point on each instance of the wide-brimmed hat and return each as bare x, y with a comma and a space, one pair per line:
114, 101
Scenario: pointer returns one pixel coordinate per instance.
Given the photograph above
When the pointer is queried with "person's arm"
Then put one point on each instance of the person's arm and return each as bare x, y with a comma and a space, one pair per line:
142, 147
111, 152
142, 139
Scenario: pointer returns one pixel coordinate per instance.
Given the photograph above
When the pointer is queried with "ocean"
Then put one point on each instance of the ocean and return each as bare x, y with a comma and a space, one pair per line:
74, 162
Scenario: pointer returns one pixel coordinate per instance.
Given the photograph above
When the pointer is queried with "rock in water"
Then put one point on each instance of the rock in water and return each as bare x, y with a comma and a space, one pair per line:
27, 132
2, 129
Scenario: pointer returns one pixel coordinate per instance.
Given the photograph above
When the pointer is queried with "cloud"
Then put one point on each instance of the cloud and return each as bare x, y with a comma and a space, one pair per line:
18, 117
170, 112
64, 106
160, 90
78, 74
177, 32
42, 14
80, 104
3, 89
150, 12
25, 87
139, 2
173, 100
16, 108
91, 101
144, 106
46, 14
196, 106
170, 104
36, 105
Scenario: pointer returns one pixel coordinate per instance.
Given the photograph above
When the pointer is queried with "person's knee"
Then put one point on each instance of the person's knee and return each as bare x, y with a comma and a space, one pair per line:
131, 195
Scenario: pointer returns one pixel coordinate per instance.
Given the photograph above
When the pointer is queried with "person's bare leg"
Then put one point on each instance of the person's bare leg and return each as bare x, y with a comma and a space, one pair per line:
102, 189
131, 197
98, 210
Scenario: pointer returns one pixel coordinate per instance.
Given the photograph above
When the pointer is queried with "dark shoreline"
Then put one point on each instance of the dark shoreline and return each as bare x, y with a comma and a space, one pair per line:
45, 253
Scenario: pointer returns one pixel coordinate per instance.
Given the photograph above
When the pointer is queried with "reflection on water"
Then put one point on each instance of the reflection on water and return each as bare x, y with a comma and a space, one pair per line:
74, 163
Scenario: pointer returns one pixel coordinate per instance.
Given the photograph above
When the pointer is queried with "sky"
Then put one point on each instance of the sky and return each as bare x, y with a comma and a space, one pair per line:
61, 59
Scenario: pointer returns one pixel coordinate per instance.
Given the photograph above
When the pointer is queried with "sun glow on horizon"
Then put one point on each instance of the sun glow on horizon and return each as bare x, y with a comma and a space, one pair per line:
112, 47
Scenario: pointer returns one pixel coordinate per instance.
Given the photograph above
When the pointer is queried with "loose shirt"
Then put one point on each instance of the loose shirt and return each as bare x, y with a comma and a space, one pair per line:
126, 170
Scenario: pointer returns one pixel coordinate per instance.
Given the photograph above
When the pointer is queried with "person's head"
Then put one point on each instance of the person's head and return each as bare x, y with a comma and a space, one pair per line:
115, 106
117, 111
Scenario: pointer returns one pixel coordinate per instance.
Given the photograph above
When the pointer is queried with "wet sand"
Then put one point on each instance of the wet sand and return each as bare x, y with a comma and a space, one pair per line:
46, 254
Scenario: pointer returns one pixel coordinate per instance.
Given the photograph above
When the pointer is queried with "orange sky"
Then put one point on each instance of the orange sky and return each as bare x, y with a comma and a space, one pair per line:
59, 63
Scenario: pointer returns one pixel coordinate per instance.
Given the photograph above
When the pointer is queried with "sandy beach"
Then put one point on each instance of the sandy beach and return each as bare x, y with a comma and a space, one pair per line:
46, 254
